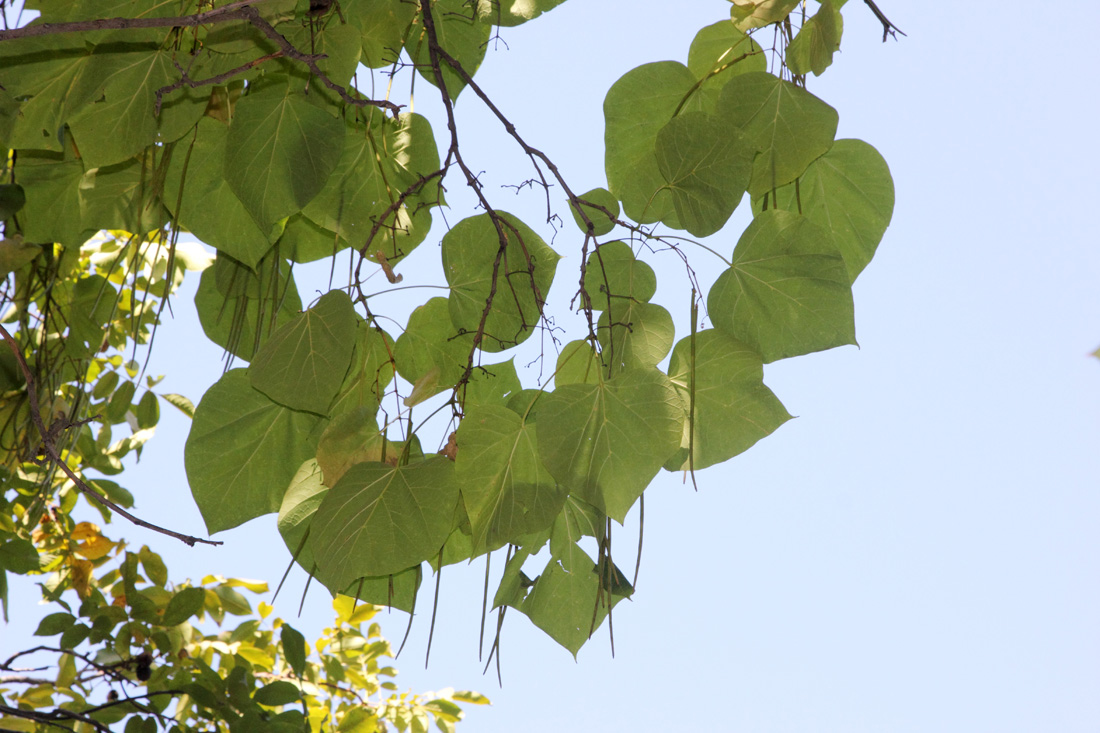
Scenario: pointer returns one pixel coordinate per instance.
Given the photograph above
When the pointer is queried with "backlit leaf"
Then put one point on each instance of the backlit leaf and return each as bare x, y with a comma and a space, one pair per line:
304, 362
380, 519
243, 450
788, 291
605, 442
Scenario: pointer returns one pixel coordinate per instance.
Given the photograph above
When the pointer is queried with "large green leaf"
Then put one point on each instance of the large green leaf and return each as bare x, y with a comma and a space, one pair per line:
788, 292
707, 167
380, 519
462, 32
55, 76
353, 437
304, 362
516, 278
578, 363
605, 442
637, 106
509, 13
849, 193
431, 353
122, 196
208, 207
787, 125
491, 384
295, 517
733, 407
243, 450
121, 122
507, 491
759, 13
601, 223
382, 159
279, 153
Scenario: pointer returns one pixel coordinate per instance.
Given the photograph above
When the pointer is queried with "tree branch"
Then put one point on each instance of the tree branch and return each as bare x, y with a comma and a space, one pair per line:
48, 435
888, 28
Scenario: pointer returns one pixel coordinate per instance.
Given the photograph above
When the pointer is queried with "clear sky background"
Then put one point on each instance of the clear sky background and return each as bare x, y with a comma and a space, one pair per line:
918, 551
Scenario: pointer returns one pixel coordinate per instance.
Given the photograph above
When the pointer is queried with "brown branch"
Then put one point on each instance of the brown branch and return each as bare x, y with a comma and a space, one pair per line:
51, 451
186, 80
888, 28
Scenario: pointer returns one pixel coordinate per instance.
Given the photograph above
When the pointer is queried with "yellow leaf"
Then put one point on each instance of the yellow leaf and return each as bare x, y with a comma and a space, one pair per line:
81, 576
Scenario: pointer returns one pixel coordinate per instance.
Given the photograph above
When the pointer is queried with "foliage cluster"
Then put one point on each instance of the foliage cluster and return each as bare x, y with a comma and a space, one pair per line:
245, 124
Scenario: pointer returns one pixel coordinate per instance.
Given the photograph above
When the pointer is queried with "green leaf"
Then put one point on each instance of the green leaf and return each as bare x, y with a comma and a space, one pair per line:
788, 126
208, 208
491, 384
370, 372
184, 604
303, 364
788, 291
294, 651
279, 692
383, 25
462, 33
243, 450
12, 199
512, 281
634, 334
14, 253
382, 159
181, 403
510, 13
18, 555
232, 600
613, 270
380, 519
720, 51
54, 623
733, 407
606, 442
120, 123
818, 39
849, 193
601, 223
280, 150
353, 437
578, 363
637, 106
707, 167
507, 491
155, 569
121, 196
759, 13
51, 183
431, 345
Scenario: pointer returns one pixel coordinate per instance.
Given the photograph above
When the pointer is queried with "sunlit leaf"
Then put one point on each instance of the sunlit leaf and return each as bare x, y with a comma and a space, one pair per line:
605, 442
787, 126
788, 291
380, 519
304, 362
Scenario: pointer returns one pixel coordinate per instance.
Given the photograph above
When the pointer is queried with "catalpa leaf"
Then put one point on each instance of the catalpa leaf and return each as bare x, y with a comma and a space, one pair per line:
507, 491
637, 106
733, 407
511, 280
613, 272
304, 362
707, 167
279, 153
243, 450
787, 292
380, 519
787, 126
849, 193
605, 442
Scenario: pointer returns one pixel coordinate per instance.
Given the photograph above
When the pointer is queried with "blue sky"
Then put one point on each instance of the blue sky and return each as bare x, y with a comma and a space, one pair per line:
918, 550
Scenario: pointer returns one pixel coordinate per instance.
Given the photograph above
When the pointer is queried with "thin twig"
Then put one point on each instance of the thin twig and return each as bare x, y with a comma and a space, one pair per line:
51, 451
888, 28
